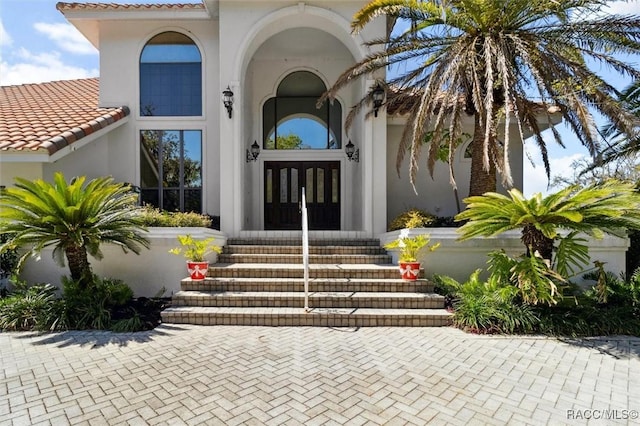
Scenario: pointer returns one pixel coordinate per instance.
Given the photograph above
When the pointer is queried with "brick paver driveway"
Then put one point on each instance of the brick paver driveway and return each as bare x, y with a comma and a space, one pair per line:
274, 376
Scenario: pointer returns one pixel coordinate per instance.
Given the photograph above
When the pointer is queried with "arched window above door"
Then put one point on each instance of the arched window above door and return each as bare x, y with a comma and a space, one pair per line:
291, 119
170, 76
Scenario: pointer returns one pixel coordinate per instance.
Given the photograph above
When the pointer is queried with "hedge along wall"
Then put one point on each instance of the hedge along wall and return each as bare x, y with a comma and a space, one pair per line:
146, 273
458, 259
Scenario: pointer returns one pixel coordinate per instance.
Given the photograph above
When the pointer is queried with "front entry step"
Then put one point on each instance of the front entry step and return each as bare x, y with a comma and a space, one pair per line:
317, 317
314, 259
315, 285
284, 270
352, 284
313, 250
316, 299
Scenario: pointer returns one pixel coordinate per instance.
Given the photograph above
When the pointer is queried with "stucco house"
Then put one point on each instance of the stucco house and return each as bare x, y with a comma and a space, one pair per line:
164, 73
211, 108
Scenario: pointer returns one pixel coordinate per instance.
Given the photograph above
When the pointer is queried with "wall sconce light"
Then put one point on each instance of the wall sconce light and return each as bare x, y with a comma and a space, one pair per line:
353, 154
227, 99
378, 98
253, 154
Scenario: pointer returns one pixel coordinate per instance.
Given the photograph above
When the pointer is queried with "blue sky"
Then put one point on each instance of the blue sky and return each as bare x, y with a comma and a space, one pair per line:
37, 44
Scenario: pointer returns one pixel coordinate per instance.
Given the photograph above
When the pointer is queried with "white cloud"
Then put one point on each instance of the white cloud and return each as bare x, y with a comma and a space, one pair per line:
38, 68
535, 178
624, 7
67, 37
5, 38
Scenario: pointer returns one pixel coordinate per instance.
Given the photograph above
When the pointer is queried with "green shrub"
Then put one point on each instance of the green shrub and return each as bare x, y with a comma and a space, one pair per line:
8, 258
32, 308
91, 308
587, 320
446, 222
536, 280
106, 305
612, 290
489, 306
154, 217
128, 325
499, 304
413, 218
146, 310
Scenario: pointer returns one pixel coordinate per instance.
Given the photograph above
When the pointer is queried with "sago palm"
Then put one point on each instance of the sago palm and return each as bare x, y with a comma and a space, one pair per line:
491, 59
611, 207
73, 218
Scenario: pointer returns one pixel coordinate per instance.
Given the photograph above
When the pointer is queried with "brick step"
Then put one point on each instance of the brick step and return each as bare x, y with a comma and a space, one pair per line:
368, 242
320, 250
316, 299
278, 270
316, 259
315, 285
319, 317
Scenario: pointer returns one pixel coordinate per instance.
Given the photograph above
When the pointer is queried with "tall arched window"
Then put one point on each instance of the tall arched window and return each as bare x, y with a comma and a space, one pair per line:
291, 120
170, 76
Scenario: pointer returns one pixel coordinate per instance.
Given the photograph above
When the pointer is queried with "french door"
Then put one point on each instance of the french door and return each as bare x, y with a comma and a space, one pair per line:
283, 183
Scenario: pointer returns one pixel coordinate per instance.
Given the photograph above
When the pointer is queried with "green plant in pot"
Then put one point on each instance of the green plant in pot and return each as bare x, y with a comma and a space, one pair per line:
195, 251
409, 249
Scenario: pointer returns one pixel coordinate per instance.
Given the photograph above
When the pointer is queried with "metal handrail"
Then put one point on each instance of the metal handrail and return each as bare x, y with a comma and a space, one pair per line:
305, 251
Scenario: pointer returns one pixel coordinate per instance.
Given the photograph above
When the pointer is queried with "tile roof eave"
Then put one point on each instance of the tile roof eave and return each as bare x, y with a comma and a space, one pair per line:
71, 136
108, 11
111, 7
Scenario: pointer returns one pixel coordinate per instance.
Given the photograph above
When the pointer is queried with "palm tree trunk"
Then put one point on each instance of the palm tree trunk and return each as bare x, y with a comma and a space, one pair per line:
481, 180
79, 266
535, 241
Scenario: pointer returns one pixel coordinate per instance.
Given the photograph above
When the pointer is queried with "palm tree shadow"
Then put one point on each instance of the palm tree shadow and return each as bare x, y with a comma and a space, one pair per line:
618, 347
98, 338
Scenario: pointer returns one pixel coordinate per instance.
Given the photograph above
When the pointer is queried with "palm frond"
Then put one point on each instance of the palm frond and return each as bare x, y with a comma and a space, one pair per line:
497, 57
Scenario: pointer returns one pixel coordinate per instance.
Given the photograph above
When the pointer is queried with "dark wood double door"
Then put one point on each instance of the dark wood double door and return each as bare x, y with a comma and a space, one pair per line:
283, 183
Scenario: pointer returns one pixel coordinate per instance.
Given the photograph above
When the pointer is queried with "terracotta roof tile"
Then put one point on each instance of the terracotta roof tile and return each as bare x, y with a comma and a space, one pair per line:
64, 7
50, 116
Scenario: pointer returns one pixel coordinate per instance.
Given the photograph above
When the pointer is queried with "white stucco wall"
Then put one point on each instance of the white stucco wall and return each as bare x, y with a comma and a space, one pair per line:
121, 43
435, 195
458, 259
147, 274
155, 269
91, 161
8, 171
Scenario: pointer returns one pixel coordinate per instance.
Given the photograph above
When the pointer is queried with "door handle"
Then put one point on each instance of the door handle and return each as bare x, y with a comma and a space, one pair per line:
299, 206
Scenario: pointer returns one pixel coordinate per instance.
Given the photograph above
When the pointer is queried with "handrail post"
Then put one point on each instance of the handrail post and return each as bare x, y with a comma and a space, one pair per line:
305, 251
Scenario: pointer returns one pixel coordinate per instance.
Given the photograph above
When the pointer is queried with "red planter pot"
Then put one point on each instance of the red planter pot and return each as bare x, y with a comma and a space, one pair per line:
409, 270
197, 270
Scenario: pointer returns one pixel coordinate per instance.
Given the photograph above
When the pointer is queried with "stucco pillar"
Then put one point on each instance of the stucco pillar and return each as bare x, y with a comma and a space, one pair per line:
230, 172
379, 166
374, 179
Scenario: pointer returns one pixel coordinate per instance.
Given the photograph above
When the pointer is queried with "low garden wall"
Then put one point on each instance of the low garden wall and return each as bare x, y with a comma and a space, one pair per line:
147, 274
151, 271
458, 259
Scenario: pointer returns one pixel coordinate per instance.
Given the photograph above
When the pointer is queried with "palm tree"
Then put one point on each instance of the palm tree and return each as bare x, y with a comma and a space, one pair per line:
489, 59
74, 219
611, 207
624, 147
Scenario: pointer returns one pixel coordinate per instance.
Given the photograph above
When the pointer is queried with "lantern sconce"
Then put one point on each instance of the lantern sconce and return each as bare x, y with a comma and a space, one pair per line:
353, 153
252, 155
227, 99
378, 98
